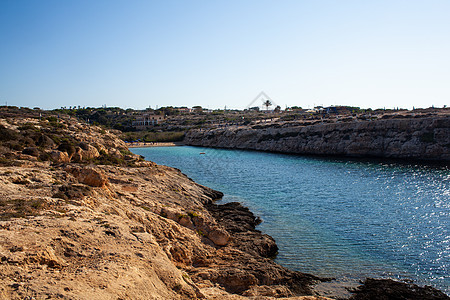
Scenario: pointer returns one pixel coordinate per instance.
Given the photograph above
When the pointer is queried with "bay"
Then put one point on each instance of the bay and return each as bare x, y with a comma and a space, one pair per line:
331, 217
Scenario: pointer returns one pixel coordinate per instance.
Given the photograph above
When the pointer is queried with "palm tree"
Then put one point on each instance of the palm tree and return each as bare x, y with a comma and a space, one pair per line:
267, 103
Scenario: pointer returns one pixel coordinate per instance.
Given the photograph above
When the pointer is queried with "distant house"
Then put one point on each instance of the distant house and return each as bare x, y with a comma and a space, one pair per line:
184, 110
147, 120
255, 108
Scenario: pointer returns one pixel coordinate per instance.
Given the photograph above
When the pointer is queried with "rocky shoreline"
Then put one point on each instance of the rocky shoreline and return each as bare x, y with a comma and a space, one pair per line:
83, 218
409, 138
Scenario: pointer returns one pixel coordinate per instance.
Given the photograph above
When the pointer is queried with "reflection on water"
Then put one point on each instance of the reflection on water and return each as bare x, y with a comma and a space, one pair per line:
332, 217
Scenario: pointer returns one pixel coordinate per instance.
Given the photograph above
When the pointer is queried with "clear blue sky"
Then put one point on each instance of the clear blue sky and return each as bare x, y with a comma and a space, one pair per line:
136, 54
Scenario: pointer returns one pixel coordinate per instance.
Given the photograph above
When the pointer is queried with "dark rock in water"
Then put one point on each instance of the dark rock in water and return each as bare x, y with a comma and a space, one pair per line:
387, 289
240, 222
213, 194
249, 251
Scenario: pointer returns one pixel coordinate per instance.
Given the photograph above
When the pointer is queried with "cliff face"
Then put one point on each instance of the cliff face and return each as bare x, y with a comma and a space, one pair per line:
413, 138
82, 218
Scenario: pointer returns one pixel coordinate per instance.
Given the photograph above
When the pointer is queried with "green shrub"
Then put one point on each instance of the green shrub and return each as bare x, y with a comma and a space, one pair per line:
52, 119
125, 152
19, 208
7, 134
68, 147
28, 126
169, 136
192, 214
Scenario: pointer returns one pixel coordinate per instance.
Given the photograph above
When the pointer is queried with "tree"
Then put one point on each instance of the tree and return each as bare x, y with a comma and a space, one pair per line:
267, 103
197, 108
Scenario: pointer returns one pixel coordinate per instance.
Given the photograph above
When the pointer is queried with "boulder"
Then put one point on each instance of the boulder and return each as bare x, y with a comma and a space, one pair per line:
45, 141
33, 151
85, 152
219, 236
59, 156
91, 176
88, 151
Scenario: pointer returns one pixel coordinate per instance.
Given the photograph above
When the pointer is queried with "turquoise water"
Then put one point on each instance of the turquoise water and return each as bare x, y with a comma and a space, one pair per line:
334, 218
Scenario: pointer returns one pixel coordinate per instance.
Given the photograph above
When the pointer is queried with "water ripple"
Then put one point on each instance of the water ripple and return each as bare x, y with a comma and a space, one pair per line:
335, 218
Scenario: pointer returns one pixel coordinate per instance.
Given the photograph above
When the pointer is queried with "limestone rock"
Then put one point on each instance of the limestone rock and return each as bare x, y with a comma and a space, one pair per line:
424, 138
91, 176
85, 152
219, 236
390, 289
152, 233
90, 152
59, 156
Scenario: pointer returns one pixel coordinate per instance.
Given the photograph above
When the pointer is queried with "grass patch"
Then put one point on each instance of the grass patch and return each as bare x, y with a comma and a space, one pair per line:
200, 233
4, 162
19, 208
69, 192
192, 214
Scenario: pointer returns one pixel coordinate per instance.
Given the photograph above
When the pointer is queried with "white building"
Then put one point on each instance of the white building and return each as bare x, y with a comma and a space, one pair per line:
147, 120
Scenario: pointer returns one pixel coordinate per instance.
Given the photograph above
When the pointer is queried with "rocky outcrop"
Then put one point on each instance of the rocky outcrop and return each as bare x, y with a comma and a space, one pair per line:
390, 289
59, 156
90, 220
425, 138
92, 176
61, 140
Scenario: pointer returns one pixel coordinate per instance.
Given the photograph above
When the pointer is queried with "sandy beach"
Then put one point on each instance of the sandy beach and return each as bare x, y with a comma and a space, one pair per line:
154, 144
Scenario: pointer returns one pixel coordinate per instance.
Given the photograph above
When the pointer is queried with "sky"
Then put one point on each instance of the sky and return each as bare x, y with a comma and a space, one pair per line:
217, 53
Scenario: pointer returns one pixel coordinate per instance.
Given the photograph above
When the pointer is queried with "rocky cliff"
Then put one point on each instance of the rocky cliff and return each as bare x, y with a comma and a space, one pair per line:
425, 138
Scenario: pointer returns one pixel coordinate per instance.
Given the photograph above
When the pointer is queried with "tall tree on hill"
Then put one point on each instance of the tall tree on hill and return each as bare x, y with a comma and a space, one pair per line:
267, 103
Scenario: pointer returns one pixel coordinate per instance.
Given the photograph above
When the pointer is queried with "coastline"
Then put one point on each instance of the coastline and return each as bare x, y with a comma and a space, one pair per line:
82, 218
413, 139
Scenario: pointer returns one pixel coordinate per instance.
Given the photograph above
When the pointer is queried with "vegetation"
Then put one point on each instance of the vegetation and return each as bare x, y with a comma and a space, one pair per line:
69, 192
159, 137
45, 132
19, 208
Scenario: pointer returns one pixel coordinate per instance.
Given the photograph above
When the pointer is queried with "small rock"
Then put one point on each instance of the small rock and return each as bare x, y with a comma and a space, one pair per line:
32, 151
219, 236
91, 176
59, 156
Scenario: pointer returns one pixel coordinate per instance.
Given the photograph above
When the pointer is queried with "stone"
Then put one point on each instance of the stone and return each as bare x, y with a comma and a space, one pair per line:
390, 289
91, 176
219, 236
33, 151
59, 156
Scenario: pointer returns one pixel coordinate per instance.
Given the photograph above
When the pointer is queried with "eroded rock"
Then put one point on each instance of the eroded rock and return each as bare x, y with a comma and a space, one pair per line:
91, 176
59, 156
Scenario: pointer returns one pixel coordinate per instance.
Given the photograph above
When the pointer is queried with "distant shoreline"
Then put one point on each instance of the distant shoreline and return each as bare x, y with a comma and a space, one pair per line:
154, 144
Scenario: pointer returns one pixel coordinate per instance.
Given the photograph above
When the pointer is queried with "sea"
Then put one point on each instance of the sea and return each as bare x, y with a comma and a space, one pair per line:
340, 218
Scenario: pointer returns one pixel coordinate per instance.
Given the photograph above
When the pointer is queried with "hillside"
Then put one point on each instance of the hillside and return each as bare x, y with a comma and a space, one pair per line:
83, 218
